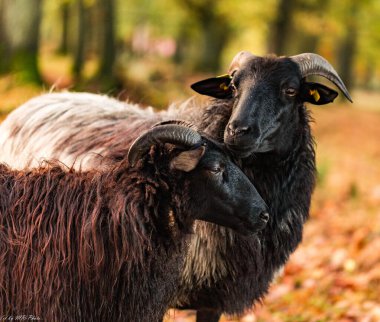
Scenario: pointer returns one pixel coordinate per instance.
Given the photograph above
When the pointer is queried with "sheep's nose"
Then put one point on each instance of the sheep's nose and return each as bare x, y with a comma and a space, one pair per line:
264, 216
235, 128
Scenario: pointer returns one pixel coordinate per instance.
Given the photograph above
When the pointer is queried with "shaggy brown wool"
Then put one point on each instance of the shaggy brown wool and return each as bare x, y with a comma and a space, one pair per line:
90, 246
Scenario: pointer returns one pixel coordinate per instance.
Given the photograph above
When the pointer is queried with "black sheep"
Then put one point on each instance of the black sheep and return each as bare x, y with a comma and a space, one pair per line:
260, 114
109, 245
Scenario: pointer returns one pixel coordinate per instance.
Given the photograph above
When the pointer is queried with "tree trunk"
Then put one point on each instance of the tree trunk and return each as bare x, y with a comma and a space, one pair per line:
306, 43
280, 29
21, 36
3, 45
182, 41
348, 46
79, 55
107, 40
215, 36
215, 32
369, 74
65, 14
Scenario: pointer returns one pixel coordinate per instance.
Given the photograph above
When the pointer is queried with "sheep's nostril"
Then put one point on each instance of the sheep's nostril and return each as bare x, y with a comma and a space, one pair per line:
234, 129
242, 130
264, 216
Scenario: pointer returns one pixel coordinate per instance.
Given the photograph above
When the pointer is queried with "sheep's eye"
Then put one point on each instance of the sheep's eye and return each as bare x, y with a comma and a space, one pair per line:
215, 169
290, 91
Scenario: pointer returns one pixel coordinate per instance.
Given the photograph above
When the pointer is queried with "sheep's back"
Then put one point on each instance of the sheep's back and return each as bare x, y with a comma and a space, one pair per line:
78, 129
74, 128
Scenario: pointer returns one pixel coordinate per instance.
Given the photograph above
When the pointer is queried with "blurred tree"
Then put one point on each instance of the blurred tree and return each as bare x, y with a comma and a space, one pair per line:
281, 26
79, 53
348, 46
3, 49
214, 31
107, 40
183, 40
309, 26
64, 9
368, 43
21, 26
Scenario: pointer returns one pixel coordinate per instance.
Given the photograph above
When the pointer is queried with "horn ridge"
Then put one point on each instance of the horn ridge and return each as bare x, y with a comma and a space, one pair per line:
314, 64
239, 59
168, 133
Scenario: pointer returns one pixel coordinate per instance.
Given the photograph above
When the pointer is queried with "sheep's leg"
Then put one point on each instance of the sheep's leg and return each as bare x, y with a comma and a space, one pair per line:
208, 316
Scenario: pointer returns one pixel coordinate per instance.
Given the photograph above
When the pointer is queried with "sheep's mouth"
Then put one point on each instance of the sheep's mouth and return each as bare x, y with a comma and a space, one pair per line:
244, 231
246, 227
239, 150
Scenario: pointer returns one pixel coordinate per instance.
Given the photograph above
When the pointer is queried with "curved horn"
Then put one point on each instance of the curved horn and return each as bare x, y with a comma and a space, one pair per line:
178, 122
170, 133
238, 60
313, 64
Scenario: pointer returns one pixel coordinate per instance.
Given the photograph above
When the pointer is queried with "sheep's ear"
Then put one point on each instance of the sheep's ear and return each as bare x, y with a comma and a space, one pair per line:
187, 160
317, 94
217, 87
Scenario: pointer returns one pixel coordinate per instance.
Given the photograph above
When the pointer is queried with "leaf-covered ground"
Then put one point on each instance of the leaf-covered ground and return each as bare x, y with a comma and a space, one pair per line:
335, 273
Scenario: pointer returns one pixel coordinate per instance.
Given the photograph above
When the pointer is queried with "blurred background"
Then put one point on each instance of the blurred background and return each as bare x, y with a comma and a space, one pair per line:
150, 51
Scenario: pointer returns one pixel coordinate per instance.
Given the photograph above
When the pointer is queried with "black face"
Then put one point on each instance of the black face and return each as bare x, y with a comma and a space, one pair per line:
267, 94
225, 196
265, 115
